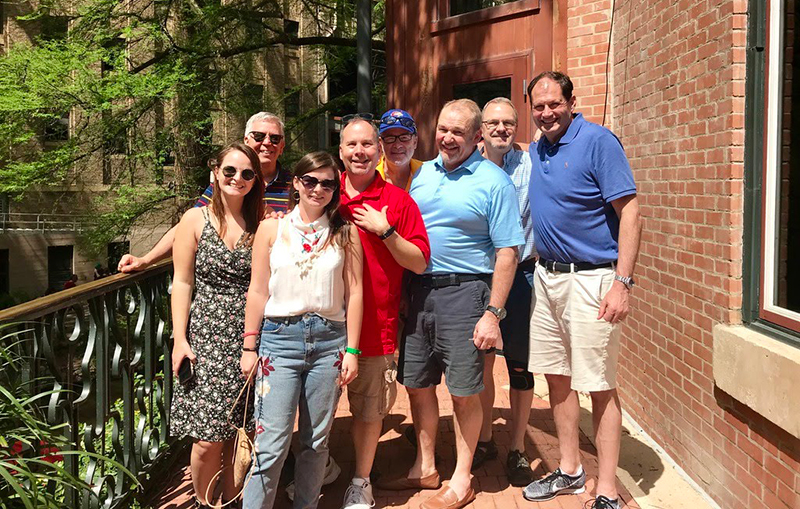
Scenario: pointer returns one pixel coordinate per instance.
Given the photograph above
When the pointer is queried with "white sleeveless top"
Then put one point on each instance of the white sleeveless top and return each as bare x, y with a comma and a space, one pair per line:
304, 277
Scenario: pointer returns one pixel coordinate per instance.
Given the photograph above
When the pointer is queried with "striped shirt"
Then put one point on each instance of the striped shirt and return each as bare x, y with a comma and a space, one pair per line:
517, 165
276, 195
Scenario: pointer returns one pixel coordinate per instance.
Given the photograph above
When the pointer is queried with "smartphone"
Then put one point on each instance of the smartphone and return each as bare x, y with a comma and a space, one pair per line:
185, 371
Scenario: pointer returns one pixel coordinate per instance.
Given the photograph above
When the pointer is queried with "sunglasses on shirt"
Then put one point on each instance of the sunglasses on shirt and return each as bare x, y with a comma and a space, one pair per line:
369, 117
310, 183
247, 174
260, 137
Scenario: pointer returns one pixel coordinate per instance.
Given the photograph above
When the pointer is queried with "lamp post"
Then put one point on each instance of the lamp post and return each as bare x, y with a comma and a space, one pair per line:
363, 49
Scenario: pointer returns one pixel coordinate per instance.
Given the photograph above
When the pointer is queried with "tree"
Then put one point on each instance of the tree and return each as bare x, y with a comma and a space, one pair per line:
149, 88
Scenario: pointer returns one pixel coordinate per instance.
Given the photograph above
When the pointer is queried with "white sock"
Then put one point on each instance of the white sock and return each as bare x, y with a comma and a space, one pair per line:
360, 481
576, 474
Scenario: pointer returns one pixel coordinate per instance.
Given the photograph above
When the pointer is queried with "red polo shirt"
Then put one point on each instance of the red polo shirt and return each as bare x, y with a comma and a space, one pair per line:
383, 276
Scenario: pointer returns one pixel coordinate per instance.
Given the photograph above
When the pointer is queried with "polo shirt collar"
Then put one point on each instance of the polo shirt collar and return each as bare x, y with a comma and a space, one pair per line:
374, 190
470, 164
510, 157
572, 131
281, 176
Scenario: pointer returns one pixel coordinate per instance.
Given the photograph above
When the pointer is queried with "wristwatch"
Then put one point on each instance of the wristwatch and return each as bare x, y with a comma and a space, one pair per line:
627, 281
388, 233
500, 313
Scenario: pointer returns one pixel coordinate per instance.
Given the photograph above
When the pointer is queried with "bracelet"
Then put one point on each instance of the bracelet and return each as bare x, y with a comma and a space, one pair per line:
354, 351
388, 233
254, 349
251, 333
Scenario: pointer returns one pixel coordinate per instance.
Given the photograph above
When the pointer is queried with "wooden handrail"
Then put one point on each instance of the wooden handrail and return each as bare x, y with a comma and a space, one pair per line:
35, 308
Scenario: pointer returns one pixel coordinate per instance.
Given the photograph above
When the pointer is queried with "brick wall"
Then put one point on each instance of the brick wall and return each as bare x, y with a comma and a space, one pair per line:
677, 100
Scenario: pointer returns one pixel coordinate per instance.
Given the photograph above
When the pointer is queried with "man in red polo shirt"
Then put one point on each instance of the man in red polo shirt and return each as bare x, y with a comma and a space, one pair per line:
393, 237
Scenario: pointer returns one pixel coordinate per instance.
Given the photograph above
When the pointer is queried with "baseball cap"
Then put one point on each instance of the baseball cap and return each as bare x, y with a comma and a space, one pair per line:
397, 118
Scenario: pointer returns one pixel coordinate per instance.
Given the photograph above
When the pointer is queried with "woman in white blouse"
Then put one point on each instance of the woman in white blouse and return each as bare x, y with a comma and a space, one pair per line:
306, 285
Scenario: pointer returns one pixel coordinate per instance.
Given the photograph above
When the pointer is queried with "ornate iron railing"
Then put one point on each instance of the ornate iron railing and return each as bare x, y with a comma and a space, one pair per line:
104, 348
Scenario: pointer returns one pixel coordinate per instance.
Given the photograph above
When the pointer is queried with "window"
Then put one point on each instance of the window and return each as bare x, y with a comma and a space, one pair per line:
772, 235
4, 273
115, 252
253, 97
59, 266
291, 102
291, 28
57, 129
463, 6
483, 91
54, 28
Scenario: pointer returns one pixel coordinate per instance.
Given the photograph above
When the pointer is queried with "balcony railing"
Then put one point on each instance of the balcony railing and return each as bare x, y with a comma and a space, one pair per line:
105, 349
20, 221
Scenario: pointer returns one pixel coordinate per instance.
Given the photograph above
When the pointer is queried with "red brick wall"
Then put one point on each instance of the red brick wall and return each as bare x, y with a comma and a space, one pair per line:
677, 103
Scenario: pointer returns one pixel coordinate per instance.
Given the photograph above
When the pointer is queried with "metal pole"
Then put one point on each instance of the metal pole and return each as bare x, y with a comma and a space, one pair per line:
363, 50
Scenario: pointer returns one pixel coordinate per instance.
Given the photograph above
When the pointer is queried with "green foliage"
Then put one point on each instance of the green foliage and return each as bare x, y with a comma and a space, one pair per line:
32, 451
140, 85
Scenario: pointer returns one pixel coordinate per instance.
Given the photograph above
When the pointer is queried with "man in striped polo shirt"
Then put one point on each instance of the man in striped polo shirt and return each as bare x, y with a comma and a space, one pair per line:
264, 134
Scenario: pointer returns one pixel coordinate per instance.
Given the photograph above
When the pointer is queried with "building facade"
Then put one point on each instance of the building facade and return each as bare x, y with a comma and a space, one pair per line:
701, 95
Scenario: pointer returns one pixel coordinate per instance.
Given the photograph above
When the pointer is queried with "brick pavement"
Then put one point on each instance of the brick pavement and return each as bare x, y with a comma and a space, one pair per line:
395, 455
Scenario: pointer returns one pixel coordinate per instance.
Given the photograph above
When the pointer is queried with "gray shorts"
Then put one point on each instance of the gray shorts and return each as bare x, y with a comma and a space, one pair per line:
438, 337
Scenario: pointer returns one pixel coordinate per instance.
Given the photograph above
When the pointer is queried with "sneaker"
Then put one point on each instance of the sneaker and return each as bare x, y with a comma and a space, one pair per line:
518, 469
484, 452
358, 495
602, 502
557, 483
332, 471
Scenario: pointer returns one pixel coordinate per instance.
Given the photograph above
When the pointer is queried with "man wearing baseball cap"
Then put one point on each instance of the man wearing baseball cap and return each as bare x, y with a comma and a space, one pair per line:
398, 133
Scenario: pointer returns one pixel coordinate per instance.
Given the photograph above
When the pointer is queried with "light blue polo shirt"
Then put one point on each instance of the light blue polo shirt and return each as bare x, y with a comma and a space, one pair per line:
572, 186
468, 212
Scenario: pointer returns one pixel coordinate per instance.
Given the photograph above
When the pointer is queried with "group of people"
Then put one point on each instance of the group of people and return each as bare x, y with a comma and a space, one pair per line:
313, 278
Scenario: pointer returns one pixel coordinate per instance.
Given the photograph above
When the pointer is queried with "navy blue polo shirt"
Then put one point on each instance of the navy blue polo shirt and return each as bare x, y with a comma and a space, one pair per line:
573, 183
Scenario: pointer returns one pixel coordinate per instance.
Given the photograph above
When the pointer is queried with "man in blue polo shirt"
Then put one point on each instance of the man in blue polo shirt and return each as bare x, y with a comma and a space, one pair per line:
587, 227
470, 209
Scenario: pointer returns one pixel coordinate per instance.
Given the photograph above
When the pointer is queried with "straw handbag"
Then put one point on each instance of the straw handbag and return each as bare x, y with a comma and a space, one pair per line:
243, 447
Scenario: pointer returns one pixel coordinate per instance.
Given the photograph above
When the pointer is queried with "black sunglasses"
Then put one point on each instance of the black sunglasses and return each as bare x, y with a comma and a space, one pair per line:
247, 174
369, 117
405, 122
260, 137
310, 183
405, 138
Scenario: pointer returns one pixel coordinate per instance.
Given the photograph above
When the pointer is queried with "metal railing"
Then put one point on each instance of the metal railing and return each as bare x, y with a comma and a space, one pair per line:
104, 348
21, 221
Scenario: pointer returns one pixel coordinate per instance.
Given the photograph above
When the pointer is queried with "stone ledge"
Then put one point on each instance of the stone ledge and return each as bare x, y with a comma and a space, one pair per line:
759, 371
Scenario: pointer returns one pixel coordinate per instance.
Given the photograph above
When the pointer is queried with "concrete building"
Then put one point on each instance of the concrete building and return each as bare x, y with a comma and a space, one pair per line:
701, 95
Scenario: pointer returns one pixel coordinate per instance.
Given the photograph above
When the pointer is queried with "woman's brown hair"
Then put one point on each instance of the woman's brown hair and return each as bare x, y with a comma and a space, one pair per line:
340, 228
253, 206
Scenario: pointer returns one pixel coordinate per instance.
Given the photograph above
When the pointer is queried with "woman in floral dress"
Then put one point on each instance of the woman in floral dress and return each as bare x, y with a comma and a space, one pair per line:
307, 269
212, 255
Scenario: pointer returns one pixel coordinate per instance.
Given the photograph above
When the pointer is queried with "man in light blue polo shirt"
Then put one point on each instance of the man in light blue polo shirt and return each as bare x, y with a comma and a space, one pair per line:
587, 227
469, 206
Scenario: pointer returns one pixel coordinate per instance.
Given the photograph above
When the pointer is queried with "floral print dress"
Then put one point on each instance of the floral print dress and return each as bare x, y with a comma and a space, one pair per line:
216, 324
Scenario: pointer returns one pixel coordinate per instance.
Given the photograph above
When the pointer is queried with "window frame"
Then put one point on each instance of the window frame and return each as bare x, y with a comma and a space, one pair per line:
446, 22
763, 112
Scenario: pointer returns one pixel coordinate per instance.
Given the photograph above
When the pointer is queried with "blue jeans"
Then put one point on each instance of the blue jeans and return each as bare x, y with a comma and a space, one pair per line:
300, 362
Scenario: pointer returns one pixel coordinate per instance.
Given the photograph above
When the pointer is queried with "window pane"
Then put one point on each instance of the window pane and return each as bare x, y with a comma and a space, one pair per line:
461, 6
788, 248
59, 266
483, 91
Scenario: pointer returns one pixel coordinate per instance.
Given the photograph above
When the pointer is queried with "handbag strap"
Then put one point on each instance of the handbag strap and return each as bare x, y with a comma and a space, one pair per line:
236, 441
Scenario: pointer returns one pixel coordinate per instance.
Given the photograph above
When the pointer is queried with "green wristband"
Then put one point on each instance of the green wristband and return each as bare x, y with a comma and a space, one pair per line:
354, 351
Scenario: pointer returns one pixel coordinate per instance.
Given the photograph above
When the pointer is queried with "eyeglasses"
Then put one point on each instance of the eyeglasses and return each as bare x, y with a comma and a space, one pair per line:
258, 136
310, 183
369, 117
405, 122
405, 138
247, 173
494, 124
552, 106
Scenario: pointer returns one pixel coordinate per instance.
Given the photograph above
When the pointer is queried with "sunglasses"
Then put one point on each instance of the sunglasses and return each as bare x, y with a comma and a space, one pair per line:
405, 138
310, 183
247, 174
405, 122
369, 117
260, 137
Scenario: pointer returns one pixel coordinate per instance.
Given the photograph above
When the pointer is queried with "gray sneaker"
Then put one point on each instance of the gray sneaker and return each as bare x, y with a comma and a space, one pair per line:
557, 483
602, 502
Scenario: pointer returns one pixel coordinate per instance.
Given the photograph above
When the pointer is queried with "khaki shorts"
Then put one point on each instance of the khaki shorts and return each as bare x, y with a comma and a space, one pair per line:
566, 336
374, 390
